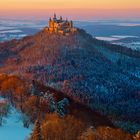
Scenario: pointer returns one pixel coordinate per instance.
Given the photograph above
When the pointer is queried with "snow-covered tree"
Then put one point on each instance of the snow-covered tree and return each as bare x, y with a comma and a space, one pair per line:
58, 107
50, 99
61, 107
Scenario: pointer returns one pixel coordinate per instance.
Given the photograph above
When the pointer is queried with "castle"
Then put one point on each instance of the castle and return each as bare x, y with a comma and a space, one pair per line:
60, 26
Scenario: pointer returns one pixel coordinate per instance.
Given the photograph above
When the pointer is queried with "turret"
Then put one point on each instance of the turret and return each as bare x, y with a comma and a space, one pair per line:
71, 24
50, 19
54, 18
61, 18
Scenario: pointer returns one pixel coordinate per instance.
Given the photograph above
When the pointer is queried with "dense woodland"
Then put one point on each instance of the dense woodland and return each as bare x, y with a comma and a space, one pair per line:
51, 125
57, 81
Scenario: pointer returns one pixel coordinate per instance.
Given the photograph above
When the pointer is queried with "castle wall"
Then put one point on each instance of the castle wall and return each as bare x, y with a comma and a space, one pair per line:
61, 26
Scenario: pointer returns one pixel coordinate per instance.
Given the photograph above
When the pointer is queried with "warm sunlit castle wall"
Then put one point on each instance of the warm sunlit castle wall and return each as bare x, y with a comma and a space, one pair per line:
59, 25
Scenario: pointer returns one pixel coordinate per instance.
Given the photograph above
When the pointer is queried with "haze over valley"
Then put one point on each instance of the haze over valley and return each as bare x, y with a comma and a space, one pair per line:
122, 32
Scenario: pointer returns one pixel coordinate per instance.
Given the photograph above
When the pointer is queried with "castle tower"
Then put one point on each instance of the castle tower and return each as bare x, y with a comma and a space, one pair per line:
50, 22
50, 19
61, 18
54, 18
71, 24
66, 19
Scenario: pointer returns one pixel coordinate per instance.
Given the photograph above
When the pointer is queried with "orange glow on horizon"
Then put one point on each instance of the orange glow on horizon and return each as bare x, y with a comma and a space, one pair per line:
64, 4
84, 8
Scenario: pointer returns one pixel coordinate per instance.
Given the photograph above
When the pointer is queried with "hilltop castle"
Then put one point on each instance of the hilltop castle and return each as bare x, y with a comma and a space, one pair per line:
60, 26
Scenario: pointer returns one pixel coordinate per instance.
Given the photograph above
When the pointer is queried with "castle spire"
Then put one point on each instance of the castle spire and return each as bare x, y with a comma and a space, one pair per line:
71, 24
66, 19
54, 18
61, 18
50, 19
55, 15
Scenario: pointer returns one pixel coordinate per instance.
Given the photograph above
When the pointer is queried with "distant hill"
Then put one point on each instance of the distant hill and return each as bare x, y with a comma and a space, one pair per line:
109, 30
128, 40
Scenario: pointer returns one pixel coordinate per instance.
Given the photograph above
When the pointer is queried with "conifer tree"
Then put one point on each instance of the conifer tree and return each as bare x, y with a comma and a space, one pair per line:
36, 135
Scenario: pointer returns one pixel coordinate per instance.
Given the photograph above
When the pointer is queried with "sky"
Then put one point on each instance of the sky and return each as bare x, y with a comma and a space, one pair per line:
77, 9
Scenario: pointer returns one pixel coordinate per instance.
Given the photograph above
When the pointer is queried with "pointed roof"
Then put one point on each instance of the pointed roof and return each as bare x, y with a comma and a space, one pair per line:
54, 15
50, 19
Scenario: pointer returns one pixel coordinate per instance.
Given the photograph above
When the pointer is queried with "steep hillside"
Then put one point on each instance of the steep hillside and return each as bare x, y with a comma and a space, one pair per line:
81, 67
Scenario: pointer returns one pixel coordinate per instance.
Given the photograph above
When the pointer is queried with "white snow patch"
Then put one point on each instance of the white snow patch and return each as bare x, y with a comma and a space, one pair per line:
13, 128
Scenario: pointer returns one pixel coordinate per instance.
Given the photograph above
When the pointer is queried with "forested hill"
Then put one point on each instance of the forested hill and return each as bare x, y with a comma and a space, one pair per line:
82, 67
45, 48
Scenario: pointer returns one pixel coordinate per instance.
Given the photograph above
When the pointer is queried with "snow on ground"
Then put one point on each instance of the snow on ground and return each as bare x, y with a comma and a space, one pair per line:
13, 129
